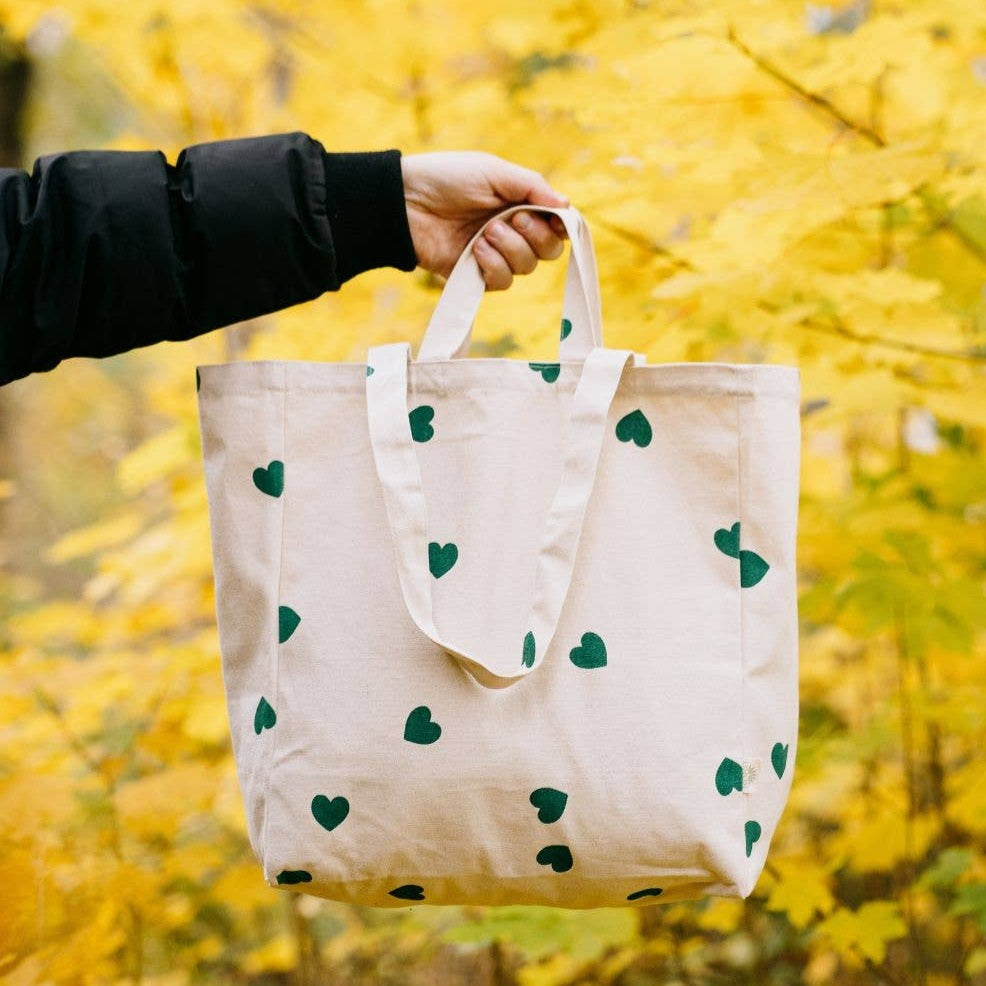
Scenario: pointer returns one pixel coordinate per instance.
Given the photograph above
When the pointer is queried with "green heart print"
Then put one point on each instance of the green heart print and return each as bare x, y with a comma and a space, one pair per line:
648, 892
420, 418
592, 653
294, 876
728, 542
753, 832
550, 803
441, 558
527, 658
330, 813
271, 479
549, 371
729, 777
419, 727
265, 717
566, 329
287, 623
778, 758
559, 858
634, 427
752, 567
410, 891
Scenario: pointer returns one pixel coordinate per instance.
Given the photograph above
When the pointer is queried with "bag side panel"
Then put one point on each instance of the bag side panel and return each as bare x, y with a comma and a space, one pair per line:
770, 445
243, 440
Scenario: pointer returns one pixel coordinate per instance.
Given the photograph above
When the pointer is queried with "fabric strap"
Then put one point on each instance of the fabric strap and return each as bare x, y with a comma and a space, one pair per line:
449, 332
400, 479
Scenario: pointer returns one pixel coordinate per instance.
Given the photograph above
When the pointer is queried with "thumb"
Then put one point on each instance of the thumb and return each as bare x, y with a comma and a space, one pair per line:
515, 184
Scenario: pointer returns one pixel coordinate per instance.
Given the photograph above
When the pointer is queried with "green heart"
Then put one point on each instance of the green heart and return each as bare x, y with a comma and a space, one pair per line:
441, 559
649, 892
728, 542
420, 418
271, 479
634, 426
265, 717
752, 568
559, 858
729, 776
287, 622
549, 371
527, 660
410, 891
566, 328
752, 836
369, 370
294, 876
419, 728
329, 812
778, 757
592, 653
550, 804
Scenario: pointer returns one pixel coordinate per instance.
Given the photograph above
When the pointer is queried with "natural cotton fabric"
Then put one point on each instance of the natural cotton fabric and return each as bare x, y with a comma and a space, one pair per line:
504, 631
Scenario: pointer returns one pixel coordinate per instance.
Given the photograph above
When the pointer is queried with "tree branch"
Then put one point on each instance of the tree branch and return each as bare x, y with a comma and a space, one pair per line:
867, 133
839, 328
825, 105
644, 243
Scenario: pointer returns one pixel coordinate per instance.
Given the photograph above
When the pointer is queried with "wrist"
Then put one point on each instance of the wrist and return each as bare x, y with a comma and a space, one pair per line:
367, 213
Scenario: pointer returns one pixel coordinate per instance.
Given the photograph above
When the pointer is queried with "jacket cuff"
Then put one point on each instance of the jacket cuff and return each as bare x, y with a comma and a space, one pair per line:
364, 195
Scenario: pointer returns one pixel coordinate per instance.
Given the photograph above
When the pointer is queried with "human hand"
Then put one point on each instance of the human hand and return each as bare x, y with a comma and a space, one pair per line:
450, 195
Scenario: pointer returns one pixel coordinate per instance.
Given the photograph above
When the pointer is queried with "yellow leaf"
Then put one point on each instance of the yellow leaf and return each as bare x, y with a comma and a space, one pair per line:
722, 914
156, 458
966, 805
242, 886
157, 804
552, 971
802, 890
20, 887
976, 962
879, 841
88, 540
278, 955
866, 931
205, 718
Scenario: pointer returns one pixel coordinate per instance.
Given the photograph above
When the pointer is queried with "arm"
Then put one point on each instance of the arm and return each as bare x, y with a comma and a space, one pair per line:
105, 251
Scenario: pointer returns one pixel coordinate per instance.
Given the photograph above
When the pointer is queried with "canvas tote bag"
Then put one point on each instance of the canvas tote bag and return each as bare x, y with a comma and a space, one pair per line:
497, 631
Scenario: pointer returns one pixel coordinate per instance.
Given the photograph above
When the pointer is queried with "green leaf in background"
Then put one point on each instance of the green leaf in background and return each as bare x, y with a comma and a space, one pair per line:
541, 931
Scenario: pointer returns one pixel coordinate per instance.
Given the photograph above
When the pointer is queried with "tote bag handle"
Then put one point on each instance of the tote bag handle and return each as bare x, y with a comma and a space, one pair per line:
449, 331
400, 479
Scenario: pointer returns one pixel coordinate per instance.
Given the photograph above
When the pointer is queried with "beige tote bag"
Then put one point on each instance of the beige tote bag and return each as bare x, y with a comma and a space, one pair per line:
497, 631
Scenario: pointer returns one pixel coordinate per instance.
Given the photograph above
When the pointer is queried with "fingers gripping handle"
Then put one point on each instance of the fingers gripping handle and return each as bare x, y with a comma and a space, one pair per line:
400, 480
450, 330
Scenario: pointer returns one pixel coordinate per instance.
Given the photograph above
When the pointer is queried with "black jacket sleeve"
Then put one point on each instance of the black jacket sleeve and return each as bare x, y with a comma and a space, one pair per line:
105, 251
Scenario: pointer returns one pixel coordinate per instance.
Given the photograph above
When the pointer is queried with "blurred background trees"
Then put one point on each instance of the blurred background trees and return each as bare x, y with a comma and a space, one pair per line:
765, 181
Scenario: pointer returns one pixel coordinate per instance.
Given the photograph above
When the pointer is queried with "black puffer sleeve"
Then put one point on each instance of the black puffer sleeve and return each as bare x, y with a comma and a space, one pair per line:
105, 251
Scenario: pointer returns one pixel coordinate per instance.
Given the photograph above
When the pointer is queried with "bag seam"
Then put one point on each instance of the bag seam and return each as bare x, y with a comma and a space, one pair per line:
276, 636
744, 801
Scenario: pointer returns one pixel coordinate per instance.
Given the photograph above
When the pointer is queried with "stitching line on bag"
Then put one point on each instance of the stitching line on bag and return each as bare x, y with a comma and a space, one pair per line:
276, 635
780, 392
748, 861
